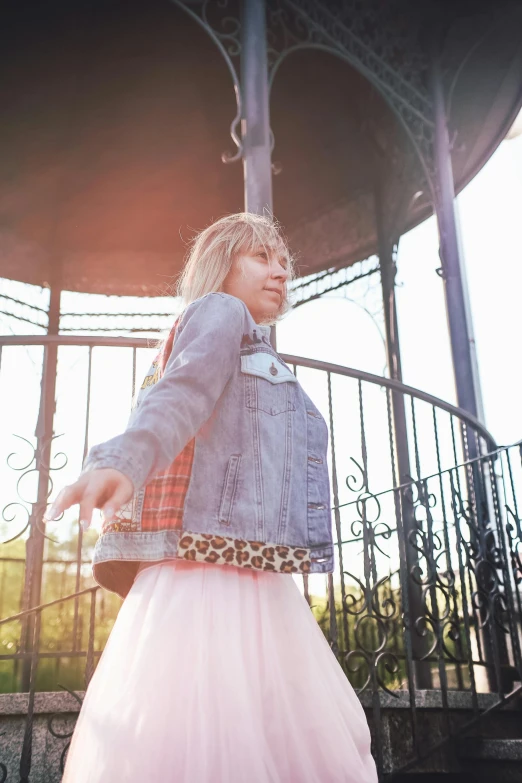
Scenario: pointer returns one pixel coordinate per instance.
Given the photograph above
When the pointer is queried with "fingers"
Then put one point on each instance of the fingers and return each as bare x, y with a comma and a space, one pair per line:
103, 488
87, 506
65, 499
123, 491
74, 493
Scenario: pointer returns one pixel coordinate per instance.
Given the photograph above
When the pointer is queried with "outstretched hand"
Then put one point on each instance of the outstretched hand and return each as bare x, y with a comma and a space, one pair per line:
104, 488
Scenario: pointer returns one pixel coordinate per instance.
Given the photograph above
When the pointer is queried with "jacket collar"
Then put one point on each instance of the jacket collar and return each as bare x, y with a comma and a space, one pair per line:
263, 330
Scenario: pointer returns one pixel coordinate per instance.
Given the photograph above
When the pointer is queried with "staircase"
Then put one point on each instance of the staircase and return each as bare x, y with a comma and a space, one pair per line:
491, 752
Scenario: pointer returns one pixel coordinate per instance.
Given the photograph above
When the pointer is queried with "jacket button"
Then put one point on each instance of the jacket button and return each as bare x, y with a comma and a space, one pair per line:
273, 369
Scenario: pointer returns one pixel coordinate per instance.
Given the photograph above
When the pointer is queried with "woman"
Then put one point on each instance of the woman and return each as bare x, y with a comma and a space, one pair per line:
217, 492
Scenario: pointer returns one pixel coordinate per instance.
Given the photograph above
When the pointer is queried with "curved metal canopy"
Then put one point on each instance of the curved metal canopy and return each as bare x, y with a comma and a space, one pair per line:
116, 114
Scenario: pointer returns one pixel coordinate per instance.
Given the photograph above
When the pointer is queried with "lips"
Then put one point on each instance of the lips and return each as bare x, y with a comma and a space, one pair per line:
275, 291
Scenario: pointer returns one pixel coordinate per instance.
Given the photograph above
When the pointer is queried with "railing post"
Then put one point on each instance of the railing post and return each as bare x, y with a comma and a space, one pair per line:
44, 432
465, 365
388, 270
255, 122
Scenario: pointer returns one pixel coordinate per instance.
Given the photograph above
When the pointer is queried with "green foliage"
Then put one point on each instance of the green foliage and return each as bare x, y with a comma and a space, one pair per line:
359, 631
359, 640
64, 626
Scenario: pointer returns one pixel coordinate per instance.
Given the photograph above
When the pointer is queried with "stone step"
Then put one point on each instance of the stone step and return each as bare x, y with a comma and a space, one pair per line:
479, 748
488, 775
443, 777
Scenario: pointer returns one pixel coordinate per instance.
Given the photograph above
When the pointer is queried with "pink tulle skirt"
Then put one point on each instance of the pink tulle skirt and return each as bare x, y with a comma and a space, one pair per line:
216, 673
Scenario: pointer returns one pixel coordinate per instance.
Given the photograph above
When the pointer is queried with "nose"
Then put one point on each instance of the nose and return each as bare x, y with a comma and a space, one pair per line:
278, 271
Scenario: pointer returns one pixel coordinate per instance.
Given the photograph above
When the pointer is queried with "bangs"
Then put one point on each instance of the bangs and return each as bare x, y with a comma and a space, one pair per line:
253, 234
213, 250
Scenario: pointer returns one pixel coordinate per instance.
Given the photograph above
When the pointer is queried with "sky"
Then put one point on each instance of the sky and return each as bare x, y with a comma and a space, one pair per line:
344, 328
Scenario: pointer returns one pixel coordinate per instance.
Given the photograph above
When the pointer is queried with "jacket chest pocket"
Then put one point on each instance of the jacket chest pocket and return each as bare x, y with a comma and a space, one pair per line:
269, 385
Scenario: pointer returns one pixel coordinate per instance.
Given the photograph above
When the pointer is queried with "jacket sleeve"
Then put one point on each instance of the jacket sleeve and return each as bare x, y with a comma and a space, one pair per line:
203, 358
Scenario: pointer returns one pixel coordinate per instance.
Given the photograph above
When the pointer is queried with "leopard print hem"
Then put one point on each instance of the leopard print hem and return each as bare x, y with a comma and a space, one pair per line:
207, 548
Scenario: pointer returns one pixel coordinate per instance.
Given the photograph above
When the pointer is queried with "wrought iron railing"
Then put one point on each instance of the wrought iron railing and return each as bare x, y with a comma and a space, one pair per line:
426, 590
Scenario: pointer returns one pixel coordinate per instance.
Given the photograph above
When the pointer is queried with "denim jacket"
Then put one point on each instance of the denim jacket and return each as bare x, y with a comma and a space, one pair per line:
259, 487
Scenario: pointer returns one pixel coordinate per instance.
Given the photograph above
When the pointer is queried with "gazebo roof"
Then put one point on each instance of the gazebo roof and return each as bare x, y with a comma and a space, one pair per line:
115, 116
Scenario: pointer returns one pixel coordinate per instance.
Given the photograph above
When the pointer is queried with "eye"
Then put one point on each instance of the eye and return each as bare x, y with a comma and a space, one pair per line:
262, 254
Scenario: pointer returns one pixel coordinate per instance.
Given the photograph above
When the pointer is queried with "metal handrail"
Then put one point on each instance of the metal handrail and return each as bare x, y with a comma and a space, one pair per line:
467, 477
41, 607
314, 364
390, 383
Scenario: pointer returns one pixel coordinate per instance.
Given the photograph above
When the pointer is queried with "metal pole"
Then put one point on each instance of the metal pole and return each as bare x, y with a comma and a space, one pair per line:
465, 365
420, 646
36, 541
255, 123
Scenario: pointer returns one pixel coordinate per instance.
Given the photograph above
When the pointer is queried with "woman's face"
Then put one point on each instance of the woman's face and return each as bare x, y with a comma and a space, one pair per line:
259, 279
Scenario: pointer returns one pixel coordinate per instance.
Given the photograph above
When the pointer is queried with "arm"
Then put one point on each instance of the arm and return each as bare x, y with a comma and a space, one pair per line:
202, 360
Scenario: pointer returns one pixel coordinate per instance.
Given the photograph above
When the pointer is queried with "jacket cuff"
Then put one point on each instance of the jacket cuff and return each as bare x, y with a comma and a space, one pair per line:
135, 472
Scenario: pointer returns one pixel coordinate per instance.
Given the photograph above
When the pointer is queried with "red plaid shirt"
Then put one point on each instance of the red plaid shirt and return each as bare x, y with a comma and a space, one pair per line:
164, 496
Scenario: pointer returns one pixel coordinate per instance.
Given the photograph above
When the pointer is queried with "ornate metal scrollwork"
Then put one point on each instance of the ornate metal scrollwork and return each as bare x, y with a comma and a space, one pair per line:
434, 575
369, 37
224, 30
514, 533
35, 464
370, 599
66, 735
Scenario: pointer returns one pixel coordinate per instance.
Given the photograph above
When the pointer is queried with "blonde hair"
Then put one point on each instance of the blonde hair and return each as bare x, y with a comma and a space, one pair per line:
214, 249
